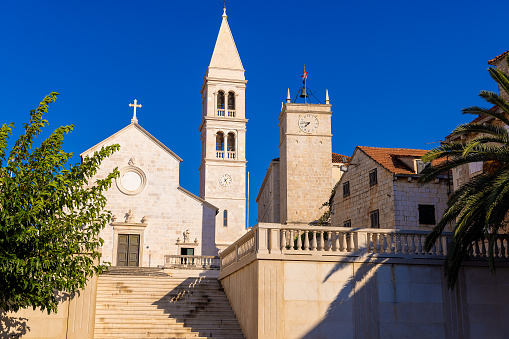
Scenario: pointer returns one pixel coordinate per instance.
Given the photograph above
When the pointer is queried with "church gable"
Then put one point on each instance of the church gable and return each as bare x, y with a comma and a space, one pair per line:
150, 209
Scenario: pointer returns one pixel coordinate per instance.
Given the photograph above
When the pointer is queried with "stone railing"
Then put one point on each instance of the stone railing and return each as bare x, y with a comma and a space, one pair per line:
501, 248
238, 250
220, 112
191, 261
282, 241
231, 113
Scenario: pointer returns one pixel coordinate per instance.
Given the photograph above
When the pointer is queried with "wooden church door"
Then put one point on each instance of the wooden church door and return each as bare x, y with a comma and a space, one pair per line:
128, 250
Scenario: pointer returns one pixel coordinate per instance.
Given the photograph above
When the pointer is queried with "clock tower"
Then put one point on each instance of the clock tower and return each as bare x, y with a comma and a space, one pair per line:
223, 138
305, 152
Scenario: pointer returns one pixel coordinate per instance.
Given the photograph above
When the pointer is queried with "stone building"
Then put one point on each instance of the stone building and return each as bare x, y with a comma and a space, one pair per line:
268, 198
380, 190
154, 216
301, 179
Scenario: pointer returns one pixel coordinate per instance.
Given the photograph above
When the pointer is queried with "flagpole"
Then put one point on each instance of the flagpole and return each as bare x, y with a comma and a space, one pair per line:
305, 90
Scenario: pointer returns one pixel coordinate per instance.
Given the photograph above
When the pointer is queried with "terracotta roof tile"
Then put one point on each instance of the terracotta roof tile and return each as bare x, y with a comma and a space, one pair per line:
389, 157
338, 158
497, 58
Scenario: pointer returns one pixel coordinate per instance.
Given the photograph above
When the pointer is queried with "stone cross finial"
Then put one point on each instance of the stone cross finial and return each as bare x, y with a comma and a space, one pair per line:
224, 7
134, 119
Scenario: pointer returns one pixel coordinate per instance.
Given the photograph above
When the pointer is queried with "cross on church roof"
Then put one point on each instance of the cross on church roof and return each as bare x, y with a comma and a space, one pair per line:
134, 120
224, 6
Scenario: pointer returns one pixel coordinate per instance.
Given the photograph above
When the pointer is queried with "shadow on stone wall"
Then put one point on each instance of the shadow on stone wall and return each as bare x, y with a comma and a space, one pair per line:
12, 327
340, 318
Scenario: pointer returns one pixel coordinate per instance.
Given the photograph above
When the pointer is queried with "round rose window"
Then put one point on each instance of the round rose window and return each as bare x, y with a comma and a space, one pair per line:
132, 180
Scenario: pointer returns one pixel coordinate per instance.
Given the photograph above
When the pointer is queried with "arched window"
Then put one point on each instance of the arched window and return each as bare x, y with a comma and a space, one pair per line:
219, 141
220, 145
231, 142
230, 145
231, 104
225, 218
231, 100
220, 103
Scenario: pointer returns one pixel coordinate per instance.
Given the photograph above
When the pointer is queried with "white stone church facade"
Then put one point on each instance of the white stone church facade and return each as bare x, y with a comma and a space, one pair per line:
153, 215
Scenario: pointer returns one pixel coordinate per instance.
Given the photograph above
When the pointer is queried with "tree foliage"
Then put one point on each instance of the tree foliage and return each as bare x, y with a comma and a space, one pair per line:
325, 217
479, 207
50, 216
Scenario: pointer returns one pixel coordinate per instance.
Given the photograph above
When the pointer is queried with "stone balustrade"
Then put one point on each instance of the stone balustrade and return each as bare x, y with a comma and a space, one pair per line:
191, 261
283, 241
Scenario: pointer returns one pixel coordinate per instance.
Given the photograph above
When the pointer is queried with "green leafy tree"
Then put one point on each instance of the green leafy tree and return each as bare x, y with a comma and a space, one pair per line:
478, 209
50, 216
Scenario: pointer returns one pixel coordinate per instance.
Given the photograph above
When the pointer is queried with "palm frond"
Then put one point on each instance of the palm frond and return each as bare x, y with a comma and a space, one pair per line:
496, 100
500, 77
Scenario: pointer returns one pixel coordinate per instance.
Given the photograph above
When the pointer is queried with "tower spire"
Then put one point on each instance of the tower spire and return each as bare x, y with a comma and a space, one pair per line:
225, 55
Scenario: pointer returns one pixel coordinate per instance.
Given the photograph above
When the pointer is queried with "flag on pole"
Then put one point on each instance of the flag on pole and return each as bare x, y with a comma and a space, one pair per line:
304, 76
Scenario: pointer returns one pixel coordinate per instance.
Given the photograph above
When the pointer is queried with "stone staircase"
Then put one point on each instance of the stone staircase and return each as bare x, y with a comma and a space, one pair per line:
147, 303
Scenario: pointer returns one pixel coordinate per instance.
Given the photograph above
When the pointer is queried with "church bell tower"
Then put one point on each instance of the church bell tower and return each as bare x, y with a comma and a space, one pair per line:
223, 138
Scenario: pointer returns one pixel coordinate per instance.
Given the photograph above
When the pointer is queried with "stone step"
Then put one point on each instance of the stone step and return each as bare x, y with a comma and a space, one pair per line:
155, 299
137, 306
178, 315
124, 334
175, 328
160, 294
155, 333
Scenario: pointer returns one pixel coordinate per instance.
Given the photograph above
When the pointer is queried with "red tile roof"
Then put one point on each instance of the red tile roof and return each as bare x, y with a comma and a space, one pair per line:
497, 58
388, 157
338, 158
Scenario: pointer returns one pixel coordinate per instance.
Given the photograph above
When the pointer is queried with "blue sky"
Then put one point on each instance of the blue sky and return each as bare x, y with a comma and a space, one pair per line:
398, 72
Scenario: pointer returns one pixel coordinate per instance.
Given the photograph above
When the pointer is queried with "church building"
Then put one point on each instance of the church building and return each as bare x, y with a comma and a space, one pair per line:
153, 215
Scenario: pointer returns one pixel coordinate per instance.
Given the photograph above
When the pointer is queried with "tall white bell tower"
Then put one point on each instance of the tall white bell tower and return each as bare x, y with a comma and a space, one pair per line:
223, 138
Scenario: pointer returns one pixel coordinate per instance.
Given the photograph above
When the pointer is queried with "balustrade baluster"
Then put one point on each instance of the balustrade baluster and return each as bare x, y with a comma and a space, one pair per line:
313, 242
342, 242
503, 242
321, 246
483, 251
419, 244
336, 242
412, 244
476, 249
291, 240
391, 242
385, 245
394, 243
404, 244
299, 241
306, 240
283, 240
375, 242
349, 245
496, 249
328, 246
440, 247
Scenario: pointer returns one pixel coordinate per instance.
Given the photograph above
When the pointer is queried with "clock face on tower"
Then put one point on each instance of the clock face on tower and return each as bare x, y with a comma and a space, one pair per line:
225, 180
308, 123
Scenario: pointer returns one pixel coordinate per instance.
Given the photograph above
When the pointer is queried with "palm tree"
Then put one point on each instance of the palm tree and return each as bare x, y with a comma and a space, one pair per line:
478, 209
